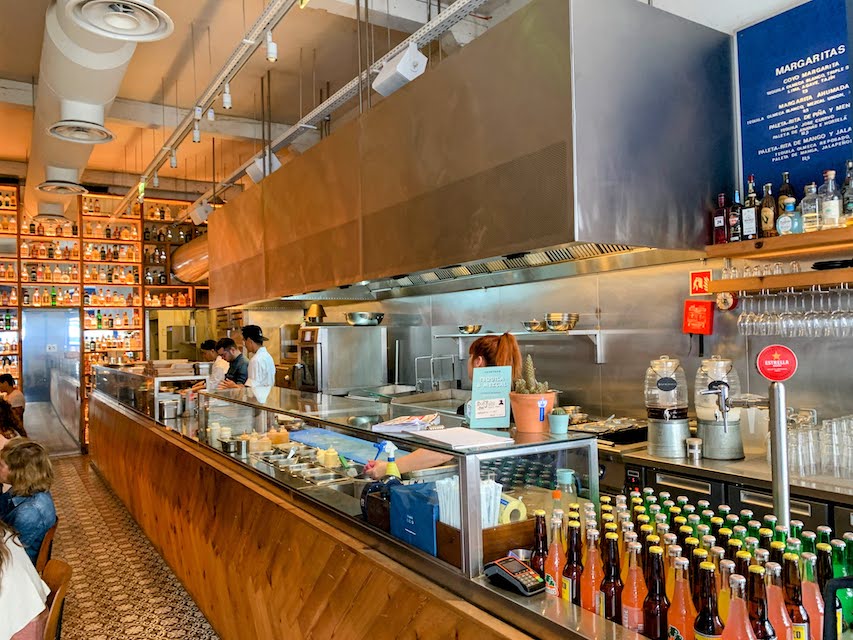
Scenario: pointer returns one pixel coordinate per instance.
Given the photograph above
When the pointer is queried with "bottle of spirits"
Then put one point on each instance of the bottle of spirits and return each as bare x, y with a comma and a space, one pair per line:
830, 204
738, 626
682, 613
708, 623
635, 591
768, 212
720, 232
794, 597
656, 604
749, 213
810, 209
789, 222
611, 586
847, 195
734, 225
786, 190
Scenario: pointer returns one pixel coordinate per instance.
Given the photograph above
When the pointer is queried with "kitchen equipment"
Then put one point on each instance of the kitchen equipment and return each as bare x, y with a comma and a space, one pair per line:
363, 318
202, 368
720, 441
468, 329
315, 314
666, 406
561, 321
534, 325
288, 335
334, 359
169, 409
286, 375
236, 447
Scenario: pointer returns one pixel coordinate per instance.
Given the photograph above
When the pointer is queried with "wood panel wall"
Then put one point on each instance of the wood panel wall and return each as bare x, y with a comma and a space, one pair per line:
258, 566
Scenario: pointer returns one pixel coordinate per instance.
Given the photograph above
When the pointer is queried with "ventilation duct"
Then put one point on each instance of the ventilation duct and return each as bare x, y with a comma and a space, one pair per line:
132, 20
61, 182
81, 122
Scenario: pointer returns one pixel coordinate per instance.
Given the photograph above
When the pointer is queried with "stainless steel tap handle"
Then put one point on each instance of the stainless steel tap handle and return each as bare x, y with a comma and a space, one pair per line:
779, 454
720, 389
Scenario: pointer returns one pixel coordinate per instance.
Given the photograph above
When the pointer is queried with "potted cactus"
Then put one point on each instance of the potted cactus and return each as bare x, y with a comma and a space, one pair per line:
531, 400
559, 421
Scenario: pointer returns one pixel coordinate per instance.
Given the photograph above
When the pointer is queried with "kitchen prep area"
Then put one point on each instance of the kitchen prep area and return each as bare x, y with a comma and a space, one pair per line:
470, 319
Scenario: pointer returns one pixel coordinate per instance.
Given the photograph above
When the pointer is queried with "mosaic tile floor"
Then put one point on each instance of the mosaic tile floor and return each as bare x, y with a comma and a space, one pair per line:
121, 587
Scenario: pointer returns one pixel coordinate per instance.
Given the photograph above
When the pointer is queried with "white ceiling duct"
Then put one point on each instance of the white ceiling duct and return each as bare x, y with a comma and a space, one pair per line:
86, 49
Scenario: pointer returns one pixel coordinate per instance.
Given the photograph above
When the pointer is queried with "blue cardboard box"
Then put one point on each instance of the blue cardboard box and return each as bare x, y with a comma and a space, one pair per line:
414, 512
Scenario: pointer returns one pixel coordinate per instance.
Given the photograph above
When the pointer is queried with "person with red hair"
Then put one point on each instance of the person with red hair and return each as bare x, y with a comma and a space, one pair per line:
493, 350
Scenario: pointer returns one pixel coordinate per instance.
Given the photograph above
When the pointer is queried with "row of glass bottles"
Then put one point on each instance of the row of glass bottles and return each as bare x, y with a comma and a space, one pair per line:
110, 233
50, 250
52, 297
99, 298
7, 271
95, 358
110, 253
9, 365
8, 224
98, 321
8, 320
43, 273
128, 342
113, 275
156, 277
8, 346
158, 212
154, 257
8, 199
58, 227
9, 298
181, 299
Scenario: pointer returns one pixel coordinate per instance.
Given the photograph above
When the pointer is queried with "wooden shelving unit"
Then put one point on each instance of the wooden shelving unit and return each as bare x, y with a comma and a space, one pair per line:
816, 245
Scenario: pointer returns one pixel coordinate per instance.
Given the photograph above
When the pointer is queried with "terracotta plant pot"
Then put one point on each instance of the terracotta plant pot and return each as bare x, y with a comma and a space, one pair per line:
528, 416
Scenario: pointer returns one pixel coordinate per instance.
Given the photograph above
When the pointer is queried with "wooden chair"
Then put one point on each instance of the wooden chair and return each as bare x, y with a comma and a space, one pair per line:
57, 575
46, 548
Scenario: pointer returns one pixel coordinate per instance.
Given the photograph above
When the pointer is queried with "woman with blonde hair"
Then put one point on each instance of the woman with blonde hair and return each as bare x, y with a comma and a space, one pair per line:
23, 593
27, 506
493, 350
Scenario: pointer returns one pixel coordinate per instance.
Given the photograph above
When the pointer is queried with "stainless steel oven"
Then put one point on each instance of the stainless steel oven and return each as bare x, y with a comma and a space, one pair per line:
338, 358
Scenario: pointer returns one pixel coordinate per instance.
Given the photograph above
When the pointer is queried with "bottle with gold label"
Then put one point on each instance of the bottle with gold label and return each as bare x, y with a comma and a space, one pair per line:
768, 212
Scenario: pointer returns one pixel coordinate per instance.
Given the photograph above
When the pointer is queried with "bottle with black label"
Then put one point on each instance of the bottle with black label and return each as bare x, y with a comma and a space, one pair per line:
734, 225
786, 190
749, 213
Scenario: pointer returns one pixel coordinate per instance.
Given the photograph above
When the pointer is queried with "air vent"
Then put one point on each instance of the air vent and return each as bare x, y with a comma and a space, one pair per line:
133, 20
62, 188
80, 131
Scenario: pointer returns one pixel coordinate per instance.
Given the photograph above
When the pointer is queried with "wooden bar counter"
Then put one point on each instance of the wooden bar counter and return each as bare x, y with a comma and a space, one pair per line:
259, 565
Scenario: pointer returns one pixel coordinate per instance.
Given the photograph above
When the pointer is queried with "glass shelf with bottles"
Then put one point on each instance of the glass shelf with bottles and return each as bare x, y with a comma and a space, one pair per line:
8, 296
67, 273
127, 276
113, 357
172, 298
154, 256
9, 364
112, 253
112, 297
164, 211
8, 225
61, 296
112, 320
8, 199
105, 207
129, 341
56, 228
59, 250
168, 235
8, 320
125, 232
8, 272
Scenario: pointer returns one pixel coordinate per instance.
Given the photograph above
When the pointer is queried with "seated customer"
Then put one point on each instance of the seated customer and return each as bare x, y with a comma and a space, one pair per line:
27, 506
10, 424
23, 593
14, 397
238, 364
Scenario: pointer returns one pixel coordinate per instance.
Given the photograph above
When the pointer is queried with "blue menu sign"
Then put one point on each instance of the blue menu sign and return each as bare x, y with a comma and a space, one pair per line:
490, 389
794, 79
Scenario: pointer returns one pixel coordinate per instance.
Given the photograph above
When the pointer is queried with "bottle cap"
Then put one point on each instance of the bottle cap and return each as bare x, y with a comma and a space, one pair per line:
574, 524
809, 557
611, 536
685, 529
653, 539
744, 555
823, 546
634, 546
647, 528
656, 551
777, 545
556, 494
592, 534
727, 564
700, 553
755, 568
734, 542
673, 551
681, 563
717, 520
737, 581
692, 542
565, 476
670, 539
717, 552
764, 532
725, 531
773, 568
539, 512
708, 566
791, 557
611, 526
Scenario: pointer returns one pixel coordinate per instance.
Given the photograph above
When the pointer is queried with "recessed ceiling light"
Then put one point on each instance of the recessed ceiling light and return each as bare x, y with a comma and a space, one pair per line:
80, 131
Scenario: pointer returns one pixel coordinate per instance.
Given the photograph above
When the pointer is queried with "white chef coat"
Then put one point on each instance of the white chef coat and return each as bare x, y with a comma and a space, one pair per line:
22, 592
261, 369
217, 373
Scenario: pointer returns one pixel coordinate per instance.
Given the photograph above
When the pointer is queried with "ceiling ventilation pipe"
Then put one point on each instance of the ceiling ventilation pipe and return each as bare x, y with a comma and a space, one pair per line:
85, 52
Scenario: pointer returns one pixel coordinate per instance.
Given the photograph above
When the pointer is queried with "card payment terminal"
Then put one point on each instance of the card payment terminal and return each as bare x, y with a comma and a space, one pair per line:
513, 574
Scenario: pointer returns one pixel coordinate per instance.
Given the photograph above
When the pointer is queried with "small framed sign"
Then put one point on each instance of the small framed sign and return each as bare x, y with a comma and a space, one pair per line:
699, 281
489, 408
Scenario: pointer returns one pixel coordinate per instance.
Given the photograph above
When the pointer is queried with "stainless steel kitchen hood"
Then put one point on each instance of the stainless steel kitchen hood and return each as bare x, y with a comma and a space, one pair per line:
586, 126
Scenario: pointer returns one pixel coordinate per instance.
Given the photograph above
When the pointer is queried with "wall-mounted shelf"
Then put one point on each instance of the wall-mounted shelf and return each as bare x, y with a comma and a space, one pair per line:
596, 336
815, 243
829, 277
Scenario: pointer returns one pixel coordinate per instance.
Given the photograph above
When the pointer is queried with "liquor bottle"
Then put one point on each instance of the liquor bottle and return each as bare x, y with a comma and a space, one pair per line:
768, 215
830, 203
162, 278
32, 227
593, 573
735, 230
789, 220
812, 599
824, 575
25, 298
719, 220
611, 585
656, 604
540, 534
708, 623
682, 613
794, 597
573, 568
724, 595
40, 229
555, 560
100, 323
758, 605
53, 296
634, 593
749, 213
738, 627
25, 249
786, 190
810, 209
146, 234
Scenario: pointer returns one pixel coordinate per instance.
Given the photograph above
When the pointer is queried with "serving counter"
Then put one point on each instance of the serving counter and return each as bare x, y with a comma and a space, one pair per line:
294, 559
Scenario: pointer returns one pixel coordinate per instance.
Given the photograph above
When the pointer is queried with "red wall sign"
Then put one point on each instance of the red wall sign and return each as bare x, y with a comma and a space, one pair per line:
698, 317
777, 363
699, 281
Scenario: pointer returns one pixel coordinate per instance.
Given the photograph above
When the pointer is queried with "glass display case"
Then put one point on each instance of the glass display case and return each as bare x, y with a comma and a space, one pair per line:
158, 397
472, 504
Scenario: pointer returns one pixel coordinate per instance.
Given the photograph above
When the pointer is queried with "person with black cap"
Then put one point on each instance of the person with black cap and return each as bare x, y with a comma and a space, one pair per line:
261, 364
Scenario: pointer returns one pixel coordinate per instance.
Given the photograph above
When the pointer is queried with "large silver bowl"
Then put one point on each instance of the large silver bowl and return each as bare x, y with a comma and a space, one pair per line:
364, 318
470, 328
533, 325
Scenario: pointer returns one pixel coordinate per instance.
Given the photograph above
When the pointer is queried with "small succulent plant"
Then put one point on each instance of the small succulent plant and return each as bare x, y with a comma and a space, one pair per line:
527, 384
559, 411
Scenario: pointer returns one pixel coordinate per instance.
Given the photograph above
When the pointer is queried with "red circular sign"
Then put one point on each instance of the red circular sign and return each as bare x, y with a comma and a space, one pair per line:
777, 363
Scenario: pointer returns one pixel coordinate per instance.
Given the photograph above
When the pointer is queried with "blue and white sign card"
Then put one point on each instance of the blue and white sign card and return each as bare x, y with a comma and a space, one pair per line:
490, 398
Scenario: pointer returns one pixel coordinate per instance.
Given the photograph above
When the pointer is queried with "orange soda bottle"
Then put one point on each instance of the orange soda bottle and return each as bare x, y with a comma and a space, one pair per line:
738, 627
724, 596
682, 613
629, 537
593, 573
812, 600
776, 610
634, 592
556, 560
672, 552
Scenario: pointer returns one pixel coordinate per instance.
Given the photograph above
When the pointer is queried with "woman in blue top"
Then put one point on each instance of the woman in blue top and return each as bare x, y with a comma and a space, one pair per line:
27, 506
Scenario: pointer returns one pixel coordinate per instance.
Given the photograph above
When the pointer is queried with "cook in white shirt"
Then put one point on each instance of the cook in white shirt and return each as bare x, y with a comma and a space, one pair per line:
217, 370
261, 364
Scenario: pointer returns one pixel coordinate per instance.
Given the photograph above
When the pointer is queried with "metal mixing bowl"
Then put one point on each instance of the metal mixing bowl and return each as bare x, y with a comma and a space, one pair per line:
470, 328
364, 318
533, 325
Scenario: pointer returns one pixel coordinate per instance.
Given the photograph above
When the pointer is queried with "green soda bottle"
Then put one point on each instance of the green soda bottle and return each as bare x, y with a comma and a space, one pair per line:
781, 533
824, 534
752, 528
796, 528
841, 570
809, 540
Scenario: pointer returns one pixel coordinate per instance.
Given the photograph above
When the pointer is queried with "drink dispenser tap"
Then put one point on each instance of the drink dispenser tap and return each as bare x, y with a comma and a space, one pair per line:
718, 422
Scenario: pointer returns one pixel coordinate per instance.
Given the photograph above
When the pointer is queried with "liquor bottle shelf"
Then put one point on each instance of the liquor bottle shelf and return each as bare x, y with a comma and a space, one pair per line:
133, 328
114, 349
90, 307
828, 277
36, 283
815, 243
110, 263
114, 285
32, 260
103, 240
32, 236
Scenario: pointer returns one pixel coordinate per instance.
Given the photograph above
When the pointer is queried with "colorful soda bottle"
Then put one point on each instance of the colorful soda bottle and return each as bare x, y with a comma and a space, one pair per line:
727, 569
556, 560
573, 568
738, 627
540, 543
742, 562
824, 534
682, 613
656, 604
777, 612
708, 624
756, 596
841, 570
697, 557
611, 585
634, 593
794, 597
812, 599
672, 552
809, 540
824, 575
593, 573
